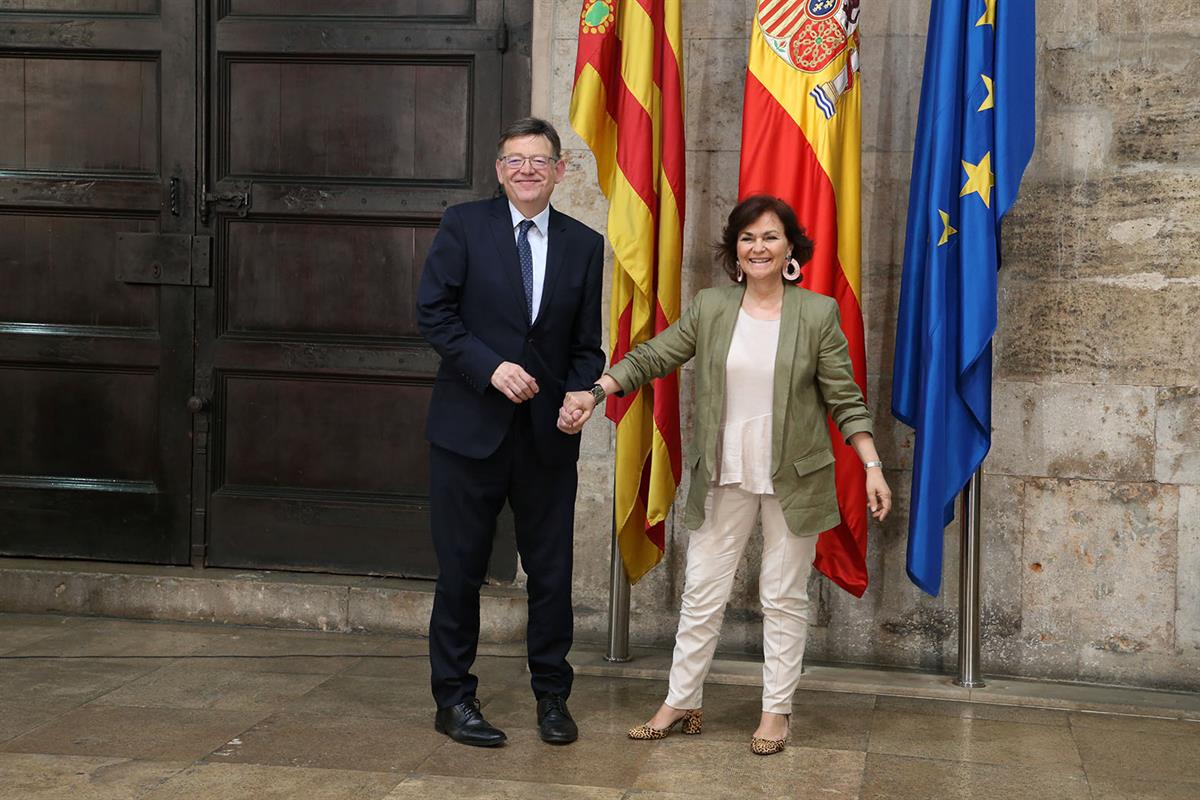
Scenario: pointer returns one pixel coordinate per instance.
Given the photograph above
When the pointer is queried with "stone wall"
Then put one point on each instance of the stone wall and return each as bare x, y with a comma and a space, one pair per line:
1091, 504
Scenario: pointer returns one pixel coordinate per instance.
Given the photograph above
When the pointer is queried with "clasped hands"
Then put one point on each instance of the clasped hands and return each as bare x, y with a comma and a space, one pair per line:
512, 381
576, 410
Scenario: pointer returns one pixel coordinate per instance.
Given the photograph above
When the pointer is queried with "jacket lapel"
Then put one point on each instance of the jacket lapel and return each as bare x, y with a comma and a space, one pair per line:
555, 250
785, 357
722, 337
506, 245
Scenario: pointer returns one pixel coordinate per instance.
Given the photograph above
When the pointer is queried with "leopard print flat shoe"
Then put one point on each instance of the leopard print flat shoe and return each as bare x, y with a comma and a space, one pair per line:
766, 747
769, 747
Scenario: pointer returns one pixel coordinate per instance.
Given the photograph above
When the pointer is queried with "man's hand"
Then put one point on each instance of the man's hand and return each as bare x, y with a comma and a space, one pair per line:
576, 409
513, 382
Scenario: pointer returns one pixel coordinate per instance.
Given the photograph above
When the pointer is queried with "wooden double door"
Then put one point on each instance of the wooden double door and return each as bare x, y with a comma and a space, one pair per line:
213, 216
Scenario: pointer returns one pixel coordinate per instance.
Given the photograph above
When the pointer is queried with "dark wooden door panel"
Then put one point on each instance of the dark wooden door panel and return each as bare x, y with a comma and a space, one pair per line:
73, 261
97, 114
322, 278
75, 7
377, 120
349, 137
53, 106
445, 10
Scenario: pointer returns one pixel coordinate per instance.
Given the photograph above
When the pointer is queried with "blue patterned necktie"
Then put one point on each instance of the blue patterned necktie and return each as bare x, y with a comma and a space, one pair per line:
526, 256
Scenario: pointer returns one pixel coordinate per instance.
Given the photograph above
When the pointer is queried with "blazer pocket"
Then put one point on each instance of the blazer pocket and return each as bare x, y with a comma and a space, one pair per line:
813, 462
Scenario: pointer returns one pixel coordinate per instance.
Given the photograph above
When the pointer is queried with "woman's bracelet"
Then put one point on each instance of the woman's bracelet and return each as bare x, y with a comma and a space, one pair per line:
870, 464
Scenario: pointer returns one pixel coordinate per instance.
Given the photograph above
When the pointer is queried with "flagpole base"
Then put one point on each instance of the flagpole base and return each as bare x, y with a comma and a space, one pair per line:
618, 608
968, 585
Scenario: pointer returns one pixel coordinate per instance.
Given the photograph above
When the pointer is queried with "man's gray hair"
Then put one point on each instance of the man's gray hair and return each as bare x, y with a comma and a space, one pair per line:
530, 126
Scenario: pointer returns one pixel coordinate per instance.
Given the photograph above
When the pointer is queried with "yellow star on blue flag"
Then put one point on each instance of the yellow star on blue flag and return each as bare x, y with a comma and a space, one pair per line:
979, 179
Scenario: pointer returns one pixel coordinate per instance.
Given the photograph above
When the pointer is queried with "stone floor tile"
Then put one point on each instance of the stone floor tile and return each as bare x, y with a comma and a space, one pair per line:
715, 769
162, 734
397, 657
1130, 789
495, 673
954, 708
19, 630
401, 666
291, 652
66, 684
17, 718
1143, 756
1082, 696
594, 760
36, 776
203, 686
981, 741
434, 787
15, 620
901, 778
1119, 723
395, 651
334, 742
118, 638
256, 782
845, 699
347, 695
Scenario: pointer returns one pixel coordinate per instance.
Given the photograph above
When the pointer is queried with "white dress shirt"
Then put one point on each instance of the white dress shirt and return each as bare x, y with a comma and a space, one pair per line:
538, 237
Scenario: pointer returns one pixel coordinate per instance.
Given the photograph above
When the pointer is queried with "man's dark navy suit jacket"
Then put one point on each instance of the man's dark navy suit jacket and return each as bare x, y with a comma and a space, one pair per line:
471, 308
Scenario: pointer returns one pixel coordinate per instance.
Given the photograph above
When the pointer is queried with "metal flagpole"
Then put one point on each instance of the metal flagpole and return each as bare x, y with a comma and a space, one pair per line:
618, 607
968, 585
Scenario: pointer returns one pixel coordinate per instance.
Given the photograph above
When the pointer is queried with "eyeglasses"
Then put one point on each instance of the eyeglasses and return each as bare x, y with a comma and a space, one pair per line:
516, 162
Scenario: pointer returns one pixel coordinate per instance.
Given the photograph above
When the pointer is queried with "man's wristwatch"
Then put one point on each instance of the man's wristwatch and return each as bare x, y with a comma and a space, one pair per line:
598, 393
870, 464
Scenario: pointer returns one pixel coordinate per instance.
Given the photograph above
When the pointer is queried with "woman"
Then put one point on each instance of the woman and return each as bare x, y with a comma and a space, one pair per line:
771, 363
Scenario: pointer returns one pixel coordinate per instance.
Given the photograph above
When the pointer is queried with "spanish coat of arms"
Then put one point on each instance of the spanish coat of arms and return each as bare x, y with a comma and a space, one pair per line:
808, 35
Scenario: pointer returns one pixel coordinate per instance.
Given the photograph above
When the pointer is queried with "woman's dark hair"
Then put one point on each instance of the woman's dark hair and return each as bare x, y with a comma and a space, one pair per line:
744, 214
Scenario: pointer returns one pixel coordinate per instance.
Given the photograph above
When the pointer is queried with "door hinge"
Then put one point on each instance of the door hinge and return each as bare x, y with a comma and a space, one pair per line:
236, 202
169, 259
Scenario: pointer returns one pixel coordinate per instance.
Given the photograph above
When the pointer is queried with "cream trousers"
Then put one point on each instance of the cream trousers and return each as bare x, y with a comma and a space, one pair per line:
714, 551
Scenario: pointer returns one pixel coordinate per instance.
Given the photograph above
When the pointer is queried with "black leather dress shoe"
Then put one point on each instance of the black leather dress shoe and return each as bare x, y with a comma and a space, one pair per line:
464, 723
554, 721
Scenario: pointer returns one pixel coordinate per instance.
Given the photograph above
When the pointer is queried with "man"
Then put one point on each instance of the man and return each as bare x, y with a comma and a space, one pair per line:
510, 299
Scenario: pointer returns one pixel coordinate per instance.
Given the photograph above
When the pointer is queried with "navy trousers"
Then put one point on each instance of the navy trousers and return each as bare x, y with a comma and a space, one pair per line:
466, 496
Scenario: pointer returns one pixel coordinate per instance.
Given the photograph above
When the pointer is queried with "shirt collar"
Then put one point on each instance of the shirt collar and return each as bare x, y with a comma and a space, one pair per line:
541, 221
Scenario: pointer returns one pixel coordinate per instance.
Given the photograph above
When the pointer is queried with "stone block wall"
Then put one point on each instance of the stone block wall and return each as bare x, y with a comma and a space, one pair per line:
1091, 556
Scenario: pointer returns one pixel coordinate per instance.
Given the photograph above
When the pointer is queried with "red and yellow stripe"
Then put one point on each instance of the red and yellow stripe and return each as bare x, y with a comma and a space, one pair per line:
627, 105
790, 150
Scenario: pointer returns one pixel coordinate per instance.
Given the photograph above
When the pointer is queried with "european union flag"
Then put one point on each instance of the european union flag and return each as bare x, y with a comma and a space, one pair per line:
974, 138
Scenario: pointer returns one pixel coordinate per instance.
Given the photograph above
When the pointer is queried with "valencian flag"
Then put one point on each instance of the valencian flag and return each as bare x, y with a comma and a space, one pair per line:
974, 138
800, 142
627, 105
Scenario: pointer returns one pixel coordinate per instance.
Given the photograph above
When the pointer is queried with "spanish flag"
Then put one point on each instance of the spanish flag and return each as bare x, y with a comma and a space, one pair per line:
801, 136
627, 104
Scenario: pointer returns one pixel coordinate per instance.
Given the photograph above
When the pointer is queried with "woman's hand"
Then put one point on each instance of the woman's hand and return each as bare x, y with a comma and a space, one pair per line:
576, 409
879, 496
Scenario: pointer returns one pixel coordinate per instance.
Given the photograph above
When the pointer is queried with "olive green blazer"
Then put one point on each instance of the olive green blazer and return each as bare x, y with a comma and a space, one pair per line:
813, 377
